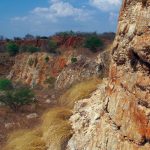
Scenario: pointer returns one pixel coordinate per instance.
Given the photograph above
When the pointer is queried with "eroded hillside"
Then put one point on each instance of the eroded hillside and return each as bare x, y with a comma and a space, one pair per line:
58, 80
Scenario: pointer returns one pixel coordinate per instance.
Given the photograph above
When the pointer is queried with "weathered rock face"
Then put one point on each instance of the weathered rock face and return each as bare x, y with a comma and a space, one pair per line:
83, 69
124, 121
44, 69
37, 68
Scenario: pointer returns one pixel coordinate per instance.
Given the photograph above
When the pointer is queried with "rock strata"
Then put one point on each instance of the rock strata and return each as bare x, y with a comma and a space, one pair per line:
124, 103
47, 70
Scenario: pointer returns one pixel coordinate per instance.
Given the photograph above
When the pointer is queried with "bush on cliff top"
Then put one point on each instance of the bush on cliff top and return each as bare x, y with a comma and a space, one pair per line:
52, 46
29, 48
93, 42
12, 48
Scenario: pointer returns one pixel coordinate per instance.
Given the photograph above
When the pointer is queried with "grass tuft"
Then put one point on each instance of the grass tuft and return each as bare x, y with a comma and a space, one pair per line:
78, 92
56, 128
54, 133
25, 140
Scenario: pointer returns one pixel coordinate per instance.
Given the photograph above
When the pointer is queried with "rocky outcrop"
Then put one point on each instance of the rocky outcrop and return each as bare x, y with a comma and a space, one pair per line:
123, 102
83, 69
36, 69
44, 69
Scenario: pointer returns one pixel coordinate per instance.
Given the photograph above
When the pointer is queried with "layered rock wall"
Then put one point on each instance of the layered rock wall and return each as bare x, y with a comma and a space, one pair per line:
44, 69
124, 111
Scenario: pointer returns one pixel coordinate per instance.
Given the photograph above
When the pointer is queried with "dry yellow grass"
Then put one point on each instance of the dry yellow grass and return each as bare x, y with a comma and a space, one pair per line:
26, 140
78, 91
56, 128
54, 132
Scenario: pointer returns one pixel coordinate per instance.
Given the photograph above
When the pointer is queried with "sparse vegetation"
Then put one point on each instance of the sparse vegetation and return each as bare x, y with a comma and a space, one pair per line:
78, 91
93, 42
26, 140
73, 59
46, 59
17, 97
52, 46
12, 48
29, 48
56, 127
30, 62
50, 81
54, 132
5, 84
32, 49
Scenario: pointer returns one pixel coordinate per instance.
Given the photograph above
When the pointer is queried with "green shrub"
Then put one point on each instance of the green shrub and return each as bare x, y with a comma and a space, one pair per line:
50, 81
17, 98
23, 48
73, 59
30, 62
29, 48
12, 48
5, 84
52, 46
32, 49
93, 42
46, 59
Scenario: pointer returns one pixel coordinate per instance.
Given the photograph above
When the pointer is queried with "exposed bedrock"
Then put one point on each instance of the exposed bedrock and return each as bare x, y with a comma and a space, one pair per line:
117, 116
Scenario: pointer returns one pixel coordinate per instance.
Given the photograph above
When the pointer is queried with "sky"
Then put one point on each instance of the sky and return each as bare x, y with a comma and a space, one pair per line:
46, 17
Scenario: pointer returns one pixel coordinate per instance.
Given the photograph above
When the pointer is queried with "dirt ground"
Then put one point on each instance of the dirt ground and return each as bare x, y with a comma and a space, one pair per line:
10, 121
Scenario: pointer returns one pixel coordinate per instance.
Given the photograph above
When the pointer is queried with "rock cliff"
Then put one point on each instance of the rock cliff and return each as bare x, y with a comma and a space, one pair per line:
117, 116
44, 69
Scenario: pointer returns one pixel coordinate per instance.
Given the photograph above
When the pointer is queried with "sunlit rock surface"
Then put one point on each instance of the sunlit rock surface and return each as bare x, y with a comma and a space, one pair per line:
117, 115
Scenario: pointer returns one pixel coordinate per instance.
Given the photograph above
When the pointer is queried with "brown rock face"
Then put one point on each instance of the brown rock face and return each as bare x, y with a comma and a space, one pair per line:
36, 69
47, 70
125, 121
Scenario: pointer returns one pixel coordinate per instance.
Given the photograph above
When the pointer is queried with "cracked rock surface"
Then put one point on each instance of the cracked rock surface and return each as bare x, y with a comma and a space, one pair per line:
117, 115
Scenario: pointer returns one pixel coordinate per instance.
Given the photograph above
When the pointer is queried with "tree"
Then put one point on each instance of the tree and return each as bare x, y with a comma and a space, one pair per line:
28, 48
12, 48
93, 42
17, 38
74, 60
17, 98
52, 46
32, 49
29, 37
5, 84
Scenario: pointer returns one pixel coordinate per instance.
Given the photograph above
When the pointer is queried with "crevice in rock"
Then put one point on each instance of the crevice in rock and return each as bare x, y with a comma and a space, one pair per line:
143, 103
145, 141
144, 3
135, 59
143, 88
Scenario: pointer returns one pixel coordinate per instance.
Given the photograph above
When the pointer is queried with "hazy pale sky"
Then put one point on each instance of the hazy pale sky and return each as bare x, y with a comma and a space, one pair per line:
45, 17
